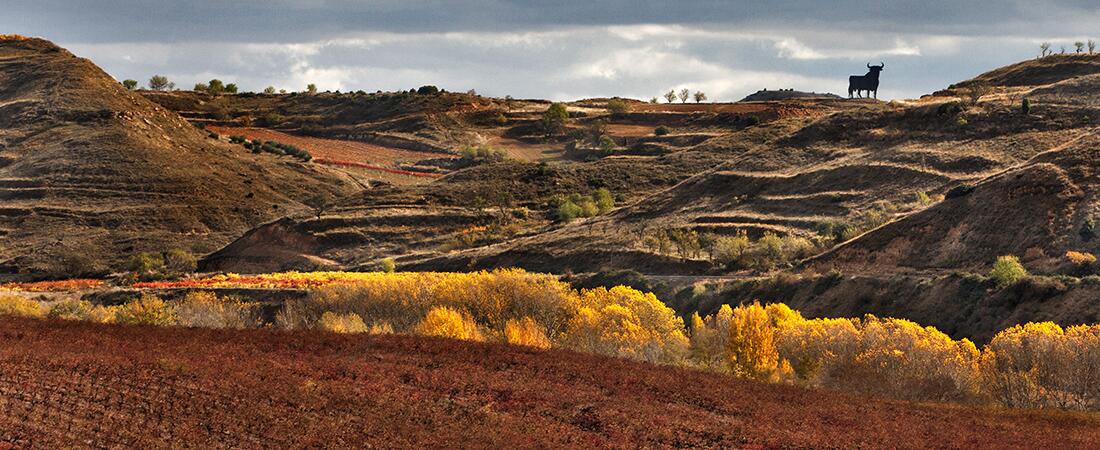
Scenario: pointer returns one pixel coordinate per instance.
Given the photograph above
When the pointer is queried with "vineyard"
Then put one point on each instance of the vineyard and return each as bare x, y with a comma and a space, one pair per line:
148, 387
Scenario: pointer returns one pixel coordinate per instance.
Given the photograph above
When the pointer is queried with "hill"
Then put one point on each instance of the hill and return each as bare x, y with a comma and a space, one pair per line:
137, 386
765, 95
91, 173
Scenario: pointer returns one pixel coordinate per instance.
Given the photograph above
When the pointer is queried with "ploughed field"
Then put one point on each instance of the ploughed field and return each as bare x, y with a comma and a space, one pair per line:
65, 383
344, 153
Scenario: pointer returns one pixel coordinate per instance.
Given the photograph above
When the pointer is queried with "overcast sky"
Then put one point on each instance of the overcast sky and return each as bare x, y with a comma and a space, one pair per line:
561, 50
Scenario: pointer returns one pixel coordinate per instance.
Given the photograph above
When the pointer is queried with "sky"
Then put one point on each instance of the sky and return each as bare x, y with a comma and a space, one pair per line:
559, 50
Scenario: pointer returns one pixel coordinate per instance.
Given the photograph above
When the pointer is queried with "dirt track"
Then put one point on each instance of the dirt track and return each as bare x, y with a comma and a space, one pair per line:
79, 384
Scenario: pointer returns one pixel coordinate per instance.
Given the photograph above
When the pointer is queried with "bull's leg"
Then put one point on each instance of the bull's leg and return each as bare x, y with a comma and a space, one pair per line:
876, 94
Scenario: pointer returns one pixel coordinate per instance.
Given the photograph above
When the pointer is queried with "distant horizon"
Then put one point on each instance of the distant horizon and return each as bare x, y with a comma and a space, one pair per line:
564, 51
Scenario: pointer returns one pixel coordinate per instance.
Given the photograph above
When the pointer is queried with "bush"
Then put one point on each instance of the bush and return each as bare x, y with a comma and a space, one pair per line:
129, 84
12, 305
178, 262
206, 310
604, 201
443, 321
147, 310
525, 331
1007, 271
1081, 258
70, 310
959, 191
342, 323
387, 265
661, 130
568, 211
1025, 106
147, 265
427, 90
617, 106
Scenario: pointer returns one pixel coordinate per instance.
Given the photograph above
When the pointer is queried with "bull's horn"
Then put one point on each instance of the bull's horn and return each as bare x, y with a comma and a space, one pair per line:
881, 65
868, 65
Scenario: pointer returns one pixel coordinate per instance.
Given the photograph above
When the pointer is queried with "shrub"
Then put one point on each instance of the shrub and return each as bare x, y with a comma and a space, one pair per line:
147, 310
427, 90
604, 201
730, 250
129, 84
525, 331
311, 88
1081, 258
568, 211
147, 265
269, 90
205, 310
13, 305
617, 106
387, 265
342, 323
70, 309
661, 130
959, 191
1007, 271
1025, 106
178, 261
443, 321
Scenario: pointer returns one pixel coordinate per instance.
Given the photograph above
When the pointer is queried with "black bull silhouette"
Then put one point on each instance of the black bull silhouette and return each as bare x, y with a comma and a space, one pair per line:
869, 82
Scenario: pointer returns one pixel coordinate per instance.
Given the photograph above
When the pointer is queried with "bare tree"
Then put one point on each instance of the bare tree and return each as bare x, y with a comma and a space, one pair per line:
1063, 49
700, 96
1092, 46
684, 95
670, 96
1045, 47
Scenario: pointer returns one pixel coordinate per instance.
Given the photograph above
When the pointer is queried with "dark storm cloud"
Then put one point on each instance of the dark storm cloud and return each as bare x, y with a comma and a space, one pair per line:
296, 20
554, 49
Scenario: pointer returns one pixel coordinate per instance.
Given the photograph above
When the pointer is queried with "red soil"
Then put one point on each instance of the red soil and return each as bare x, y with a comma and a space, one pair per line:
338, 152
64, 384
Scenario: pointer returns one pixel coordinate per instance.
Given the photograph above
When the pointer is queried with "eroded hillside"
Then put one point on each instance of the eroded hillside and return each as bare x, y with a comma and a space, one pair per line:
91, 173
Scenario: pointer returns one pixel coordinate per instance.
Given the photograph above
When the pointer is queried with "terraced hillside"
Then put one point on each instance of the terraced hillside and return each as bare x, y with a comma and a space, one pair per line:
138, 386
88, 168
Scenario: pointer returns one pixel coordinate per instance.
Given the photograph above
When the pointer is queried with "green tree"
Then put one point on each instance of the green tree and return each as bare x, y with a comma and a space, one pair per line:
215, 86
160, 83
700, 97
670, 96
1007, 271
269, 90
130, 84
554, 119
311, 88
201, 87
231, 88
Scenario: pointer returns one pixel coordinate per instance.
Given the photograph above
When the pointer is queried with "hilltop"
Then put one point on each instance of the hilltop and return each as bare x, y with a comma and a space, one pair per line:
91, 173
765, 95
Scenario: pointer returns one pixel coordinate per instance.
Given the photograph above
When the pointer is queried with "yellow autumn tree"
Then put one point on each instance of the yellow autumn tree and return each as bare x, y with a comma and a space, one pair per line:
750, 349
525, 331
623, 321
443, 321
708, 339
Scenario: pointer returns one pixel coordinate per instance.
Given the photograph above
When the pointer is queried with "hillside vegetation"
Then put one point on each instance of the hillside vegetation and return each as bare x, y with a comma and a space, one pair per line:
137, 386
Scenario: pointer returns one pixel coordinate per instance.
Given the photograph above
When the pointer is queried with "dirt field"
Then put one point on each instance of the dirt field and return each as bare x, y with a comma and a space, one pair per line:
64, 384
356, 154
